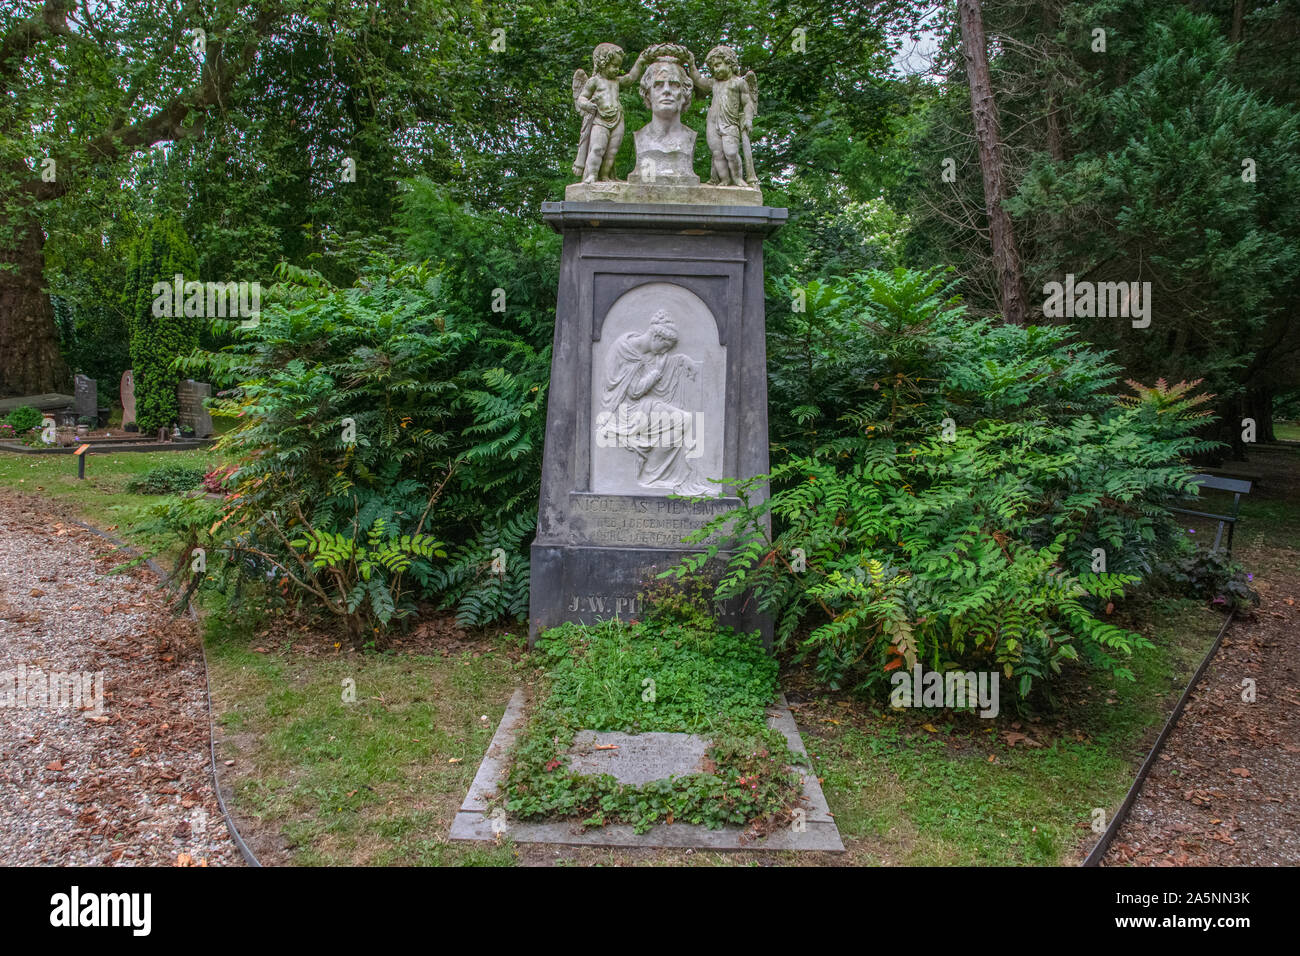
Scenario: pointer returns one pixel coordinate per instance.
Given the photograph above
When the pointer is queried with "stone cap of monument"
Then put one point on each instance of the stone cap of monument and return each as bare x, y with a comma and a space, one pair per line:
698, 194
676, 216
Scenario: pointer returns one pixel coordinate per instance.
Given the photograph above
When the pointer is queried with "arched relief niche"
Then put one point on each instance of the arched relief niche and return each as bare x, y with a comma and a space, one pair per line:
658, 387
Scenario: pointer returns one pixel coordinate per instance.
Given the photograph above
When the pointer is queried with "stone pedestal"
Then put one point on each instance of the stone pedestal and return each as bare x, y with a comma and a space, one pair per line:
658, 384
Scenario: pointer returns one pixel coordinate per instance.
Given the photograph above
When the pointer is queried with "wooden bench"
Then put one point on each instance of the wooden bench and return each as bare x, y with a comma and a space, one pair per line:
1237, 487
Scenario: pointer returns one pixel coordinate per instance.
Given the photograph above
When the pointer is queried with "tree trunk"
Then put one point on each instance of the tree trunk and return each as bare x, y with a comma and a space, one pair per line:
1238, 15
1006, 257
30, 360
1052, 106
1259, 404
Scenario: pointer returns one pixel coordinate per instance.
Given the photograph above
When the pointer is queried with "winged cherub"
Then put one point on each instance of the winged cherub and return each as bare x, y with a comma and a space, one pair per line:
596, 98
731, 116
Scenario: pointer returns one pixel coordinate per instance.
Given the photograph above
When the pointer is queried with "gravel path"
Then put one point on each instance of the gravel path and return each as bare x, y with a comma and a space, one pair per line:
124, 781
1226, 788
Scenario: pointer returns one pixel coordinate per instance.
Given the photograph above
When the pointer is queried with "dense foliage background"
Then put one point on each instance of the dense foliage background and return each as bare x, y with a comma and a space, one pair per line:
379, 168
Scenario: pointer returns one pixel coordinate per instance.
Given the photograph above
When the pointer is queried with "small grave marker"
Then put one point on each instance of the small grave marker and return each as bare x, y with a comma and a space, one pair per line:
127, 395
193, 414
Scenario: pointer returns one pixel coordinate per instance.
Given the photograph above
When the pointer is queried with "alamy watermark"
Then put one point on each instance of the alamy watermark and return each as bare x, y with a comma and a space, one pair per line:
1070, 299
633, 428
952, 689
53, 690
208, 300
130, 910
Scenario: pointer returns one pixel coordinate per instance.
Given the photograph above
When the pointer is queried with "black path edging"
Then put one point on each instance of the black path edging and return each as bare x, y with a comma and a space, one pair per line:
244, 850
1099, 851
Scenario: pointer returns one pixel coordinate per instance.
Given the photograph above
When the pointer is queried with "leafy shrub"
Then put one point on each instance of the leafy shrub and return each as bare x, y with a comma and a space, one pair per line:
446, 397
219, 480
361, 408
24, 418
1210, 575
166, 479
964, 494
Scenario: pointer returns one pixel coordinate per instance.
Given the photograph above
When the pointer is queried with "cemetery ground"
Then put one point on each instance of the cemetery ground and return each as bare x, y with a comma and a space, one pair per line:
318, 781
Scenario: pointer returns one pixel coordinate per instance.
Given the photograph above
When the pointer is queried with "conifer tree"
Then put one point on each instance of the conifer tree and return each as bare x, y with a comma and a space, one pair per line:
162, 253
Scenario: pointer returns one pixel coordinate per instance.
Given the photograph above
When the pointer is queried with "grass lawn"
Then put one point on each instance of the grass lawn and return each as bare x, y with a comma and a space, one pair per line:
318, 780
101, 498
1287, 431
928, 790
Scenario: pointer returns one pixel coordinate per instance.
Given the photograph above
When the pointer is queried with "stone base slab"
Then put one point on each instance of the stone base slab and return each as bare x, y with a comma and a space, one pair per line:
819, 832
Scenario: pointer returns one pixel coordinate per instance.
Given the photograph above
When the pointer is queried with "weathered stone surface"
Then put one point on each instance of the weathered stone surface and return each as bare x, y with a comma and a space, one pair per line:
637, 758
596, 98
127, 396
665, 147
668, 80
51, 402
660, 192
731, 116
660, 315
86, 400
193, 413
657, 395
589, 584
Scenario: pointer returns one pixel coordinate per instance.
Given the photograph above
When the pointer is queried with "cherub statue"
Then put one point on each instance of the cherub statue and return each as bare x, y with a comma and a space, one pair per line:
731, 116
596, 98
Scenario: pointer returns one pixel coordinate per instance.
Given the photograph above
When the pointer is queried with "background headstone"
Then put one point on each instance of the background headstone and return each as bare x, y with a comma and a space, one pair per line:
86, 400
193, 414
128, 398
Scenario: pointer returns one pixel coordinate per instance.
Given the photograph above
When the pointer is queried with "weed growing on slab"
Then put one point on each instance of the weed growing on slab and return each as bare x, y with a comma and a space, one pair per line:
672, 676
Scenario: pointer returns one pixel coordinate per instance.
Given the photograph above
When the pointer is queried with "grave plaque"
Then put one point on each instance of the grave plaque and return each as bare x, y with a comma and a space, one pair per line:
86, 400
193, 414
127, 394
659, 373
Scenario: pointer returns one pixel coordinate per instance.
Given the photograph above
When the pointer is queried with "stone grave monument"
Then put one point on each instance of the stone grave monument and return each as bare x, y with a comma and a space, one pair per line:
127, 395
659, 373
85, 398
193, 413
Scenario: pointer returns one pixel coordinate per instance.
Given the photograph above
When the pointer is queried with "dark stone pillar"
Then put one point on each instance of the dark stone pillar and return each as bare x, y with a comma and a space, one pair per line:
659, 321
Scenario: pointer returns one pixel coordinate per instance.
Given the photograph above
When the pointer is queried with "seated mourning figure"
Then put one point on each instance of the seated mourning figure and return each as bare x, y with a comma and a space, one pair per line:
665, 147
651, 409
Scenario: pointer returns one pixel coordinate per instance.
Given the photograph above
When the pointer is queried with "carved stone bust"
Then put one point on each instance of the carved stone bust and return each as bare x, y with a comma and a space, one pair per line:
665, 147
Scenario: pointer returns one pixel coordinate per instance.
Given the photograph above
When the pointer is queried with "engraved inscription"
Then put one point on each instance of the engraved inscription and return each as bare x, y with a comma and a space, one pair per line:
619, 606
652, 521
593, 608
